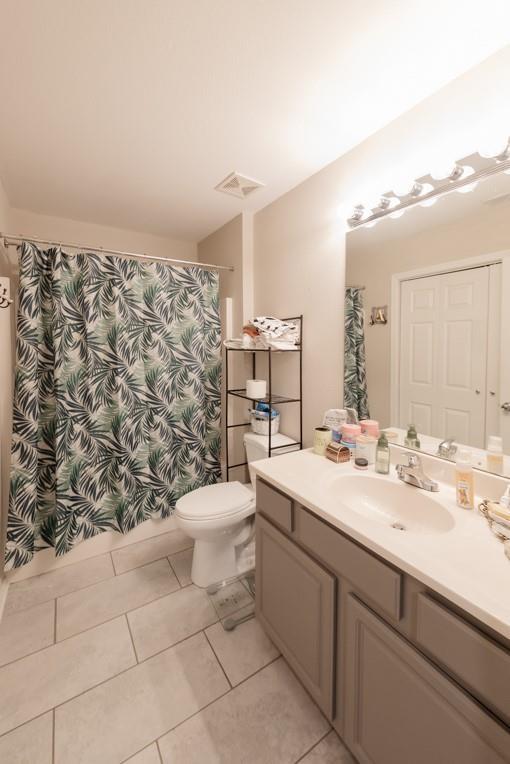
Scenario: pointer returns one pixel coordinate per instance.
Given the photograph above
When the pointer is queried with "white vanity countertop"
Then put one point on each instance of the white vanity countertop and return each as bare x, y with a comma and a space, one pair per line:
466, 564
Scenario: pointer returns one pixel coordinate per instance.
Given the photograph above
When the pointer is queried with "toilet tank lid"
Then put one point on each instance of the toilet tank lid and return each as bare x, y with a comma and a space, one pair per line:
262, 441
217, 500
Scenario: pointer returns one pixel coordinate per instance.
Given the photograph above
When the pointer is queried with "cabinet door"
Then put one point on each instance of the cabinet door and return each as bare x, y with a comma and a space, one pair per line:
295, 603
401, 709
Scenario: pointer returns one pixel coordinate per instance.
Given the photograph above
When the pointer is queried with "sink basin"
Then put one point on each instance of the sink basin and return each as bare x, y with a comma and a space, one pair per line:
396, 505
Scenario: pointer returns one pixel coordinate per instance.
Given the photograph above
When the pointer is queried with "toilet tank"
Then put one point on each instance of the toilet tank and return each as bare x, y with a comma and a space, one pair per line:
257, 447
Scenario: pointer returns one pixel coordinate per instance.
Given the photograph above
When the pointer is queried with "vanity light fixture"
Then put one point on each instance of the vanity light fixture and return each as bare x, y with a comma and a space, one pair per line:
463, 177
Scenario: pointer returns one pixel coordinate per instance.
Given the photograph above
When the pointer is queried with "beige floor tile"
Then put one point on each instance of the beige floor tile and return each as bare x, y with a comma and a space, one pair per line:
32, 591
27, 631
231, 598
181, 563
331, 750
242, 651
118, 718
149, 755
269, 719
155, 548
170, 619
32, 743
88, 607
41, 681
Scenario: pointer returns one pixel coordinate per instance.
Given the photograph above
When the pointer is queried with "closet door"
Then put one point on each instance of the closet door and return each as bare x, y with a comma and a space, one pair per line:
443, 354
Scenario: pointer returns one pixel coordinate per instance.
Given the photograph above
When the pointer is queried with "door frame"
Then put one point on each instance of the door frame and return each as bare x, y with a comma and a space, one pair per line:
437, 269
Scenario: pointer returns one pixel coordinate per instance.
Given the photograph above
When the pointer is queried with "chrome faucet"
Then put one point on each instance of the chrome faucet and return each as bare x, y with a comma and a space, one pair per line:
447, 449
413, 474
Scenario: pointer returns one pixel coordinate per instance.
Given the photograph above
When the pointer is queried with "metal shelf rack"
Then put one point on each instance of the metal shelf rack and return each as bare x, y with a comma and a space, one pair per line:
270, 398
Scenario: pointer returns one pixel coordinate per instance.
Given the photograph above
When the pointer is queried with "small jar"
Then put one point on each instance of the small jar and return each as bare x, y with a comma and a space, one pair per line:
365, 448
360, 463
349, 434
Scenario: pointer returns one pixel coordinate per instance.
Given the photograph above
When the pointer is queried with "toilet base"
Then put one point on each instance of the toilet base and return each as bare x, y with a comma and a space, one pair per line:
220, 560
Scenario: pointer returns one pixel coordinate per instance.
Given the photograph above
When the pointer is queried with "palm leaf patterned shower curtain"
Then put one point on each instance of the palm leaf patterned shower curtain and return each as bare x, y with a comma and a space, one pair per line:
116, 396
355, 380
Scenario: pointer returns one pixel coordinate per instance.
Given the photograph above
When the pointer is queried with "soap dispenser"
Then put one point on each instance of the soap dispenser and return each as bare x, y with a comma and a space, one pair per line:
411, 439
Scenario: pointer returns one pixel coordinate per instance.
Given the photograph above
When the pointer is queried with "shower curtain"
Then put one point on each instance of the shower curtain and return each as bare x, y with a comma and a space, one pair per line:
355, 381
116, 396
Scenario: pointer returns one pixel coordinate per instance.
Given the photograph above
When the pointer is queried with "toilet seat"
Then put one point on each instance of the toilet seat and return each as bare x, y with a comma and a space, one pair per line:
217, 501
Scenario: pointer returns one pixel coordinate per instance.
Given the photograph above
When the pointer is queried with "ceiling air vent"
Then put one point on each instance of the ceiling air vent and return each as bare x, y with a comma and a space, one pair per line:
238, 185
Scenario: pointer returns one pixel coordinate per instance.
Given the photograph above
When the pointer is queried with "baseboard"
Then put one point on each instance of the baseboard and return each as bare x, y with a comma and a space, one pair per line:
4, 588
45, 560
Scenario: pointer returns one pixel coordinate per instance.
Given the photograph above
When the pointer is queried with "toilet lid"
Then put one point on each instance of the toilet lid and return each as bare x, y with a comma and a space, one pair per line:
218, 500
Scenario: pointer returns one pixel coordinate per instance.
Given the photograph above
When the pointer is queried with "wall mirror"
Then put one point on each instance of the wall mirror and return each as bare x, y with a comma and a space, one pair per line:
433, 287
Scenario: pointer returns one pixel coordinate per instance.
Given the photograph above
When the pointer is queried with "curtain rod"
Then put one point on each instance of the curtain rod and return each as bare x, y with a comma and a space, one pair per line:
10, 240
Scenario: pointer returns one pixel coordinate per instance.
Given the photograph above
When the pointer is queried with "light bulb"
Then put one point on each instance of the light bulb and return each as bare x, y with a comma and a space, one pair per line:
443, 171
494, 148
467, 189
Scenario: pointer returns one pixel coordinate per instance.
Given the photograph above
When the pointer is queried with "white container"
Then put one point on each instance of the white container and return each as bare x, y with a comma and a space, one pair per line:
257, 447
321, 439
260, 422
256, 388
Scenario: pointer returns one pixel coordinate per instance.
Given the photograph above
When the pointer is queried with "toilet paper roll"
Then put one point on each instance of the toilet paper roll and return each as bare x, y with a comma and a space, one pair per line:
256, 388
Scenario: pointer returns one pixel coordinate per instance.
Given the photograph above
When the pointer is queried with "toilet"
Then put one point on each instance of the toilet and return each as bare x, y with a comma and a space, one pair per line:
220, 518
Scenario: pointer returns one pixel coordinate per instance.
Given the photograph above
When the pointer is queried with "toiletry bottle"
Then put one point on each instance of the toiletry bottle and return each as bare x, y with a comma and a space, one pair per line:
382, 455
495, 454
464, 480
411, 440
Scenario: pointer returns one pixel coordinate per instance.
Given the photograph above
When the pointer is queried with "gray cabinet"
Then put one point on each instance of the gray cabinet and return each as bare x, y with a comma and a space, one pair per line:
402, 709
296, 606
404, 677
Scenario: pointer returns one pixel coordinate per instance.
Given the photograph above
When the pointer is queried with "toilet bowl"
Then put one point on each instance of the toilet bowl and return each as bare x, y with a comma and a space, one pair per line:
220, 518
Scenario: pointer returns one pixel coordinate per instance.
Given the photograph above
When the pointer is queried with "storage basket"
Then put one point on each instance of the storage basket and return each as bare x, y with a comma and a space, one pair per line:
260, 422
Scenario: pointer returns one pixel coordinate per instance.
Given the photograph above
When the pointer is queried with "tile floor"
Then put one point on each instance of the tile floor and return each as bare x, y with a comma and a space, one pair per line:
120, 658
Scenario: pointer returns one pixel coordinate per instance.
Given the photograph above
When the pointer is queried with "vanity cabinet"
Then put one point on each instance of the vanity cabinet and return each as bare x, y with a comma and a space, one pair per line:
296, 606
402, 709
402, 677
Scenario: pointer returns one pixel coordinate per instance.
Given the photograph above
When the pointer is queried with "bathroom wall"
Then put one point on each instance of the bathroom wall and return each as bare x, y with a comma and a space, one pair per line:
299, 240
75, 231
232, 244
482, 231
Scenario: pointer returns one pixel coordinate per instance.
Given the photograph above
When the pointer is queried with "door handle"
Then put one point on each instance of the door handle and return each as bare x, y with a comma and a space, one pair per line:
506, 407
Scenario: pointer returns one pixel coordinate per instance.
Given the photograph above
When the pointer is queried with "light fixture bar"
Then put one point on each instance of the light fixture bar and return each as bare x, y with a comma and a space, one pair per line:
457, 179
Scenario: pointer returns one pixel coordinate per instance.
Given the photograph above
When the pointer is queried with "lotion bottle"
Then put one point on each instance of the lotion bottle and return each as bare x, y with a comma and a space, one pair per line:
382, 455
464, 480
495, 454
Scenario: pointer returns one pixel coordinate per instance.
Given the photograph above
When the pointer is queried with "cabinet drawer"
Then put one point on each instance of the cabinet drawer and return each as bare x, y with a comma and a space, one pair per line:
377, 582
478, 663
274, 505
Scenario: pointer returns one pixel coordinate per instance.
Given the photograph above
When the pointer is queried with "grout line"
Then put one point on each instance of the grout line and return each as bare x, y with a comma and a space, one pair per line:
53, 737
218, 660
159, 751
113, 563
59, 596
55, 621
32, 719
148, 562
108, 620
313, 746
131, 635
173, 569
216, 699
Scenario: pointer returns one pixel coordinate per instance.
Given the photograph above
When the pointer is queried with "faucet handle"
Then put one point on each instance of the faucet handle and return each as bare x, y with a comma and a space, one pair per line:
413, 460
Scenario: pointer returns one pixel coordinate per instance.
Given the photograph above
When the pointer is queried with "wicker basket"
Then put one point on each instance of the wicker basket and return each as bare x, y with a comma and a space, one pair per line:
260, 422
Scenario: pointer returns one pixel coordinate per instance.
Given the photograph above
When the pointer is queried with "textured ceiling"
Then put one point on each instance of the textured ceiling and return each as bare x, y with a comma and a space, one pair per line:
129, 112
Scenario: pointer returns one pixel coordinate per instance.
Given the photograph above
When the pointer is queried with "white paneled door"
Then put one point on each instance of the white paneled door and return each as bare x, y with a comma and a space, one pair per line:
444, 354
